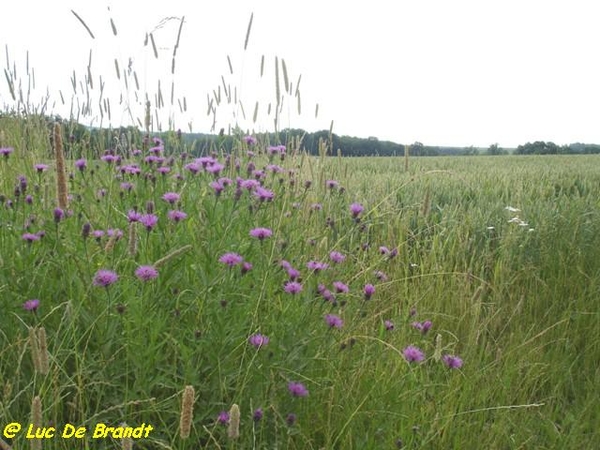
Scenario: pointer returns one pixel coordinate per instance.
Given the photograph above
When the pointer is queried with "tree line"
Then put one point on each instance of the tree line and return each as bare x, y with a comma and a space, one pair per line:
82, 139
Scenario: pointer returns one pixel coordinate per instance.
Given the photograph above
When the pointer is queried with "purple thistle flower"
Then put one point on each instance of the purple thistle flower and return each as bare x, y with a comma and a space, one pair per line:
275, 168
105, 278
133, 216
30, 237
264, 194
291, 419
31, 305
59, 214
328, 296
258, 340
275, 149
413, 354
146, 273
193, 167
171, 197
334, 321
225, 181
249, 185
218, 187
131, 169
163, 170
453, 362
368, 290
292, 287
337, 257
156, 150
261, 233
258, 414
41, 167
384, 250
126, 186
5, 151
231, 259
148, 220
215, 168
250, 140
110, 158
331, 184
356, 209
86, 230
389, 325
176, 216
206, 161
246, 267
297, 389
98, 234
223, 418
28, 199
293, 274
114, 232
340, 287
381, 276
22, 182
316, 266
423, 327
81, 164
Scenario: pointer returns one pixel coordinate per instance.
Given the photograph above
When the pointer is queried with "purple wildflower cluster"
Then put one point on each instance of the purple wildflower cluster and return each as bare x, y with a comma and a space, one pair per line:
320, 277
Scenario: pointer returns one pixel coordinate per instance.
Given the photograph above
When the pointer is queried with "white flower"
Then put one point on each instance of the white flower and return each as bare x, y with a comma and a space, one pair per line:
512, 209
518, 221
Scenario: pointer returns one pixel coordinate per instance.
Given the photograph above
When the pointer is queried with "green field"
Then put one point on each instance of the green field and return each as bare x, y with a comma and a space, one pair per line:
513, 294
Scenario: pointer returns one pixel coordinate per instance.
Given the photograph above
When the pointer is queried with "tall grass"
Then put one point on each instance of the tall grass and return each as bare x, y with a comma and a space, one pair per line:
268, 350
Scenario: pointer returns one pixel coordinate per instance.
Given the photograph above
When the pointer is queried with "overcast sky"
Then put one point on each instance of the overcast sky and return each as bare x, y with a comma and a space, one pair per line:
442, 72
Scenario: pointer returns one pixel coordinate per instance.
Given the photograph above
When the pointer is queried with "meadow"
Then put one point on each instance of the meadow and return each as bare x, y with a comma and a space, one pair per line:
264, 298
269, 299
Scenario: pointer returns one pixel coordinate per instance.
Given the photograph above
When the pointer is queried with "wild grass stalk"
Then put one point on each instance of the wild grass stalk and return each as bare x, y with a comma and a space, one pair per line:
187, 412
36, 422
61, 171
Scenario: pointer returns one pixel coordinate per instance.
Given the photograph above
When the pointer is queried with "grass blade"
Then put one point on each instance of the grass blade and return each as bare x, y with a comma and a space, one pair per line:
84, 24
248, 31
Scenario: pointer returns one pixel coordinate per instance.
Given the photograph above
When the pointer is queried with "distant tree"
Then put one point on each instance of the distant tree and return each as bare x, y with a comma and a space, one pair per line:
470, 151
538, 148
495, 150
417, 149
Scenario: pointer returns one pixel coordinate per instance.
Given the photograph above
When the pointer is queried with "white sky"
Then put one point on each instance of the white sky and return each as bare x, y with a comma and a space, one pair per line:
442, 72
